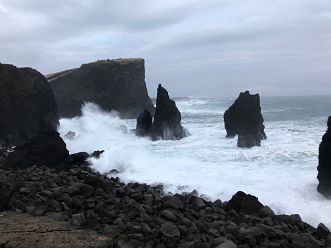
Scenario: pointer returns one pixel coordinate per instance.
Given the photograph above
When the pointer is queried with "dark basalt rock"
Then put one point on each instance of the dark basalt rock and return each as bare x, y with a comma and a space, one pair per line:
27, 104
79, 157
6, 190
244, 203
324, 164
46, 149
140, 215
167, 118
244, 119
144, 123
97, 154
111, 84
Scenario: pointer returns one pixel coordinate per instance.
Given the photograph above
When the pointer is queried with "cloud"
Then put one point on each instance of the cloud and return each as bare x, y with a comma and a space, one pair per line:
195, 47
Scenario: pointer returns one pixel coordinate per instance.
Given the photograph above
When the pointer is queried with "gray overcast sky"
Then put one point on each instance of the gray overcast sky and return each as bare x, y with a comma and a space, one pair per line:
203, 48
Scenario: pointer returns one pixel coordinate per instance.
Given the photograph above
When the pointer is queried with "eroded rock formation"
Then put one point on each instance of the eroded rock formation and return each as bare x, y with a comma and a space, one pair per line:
167, 118
27, 104
244, 118
111, 84
324, 164
144, 123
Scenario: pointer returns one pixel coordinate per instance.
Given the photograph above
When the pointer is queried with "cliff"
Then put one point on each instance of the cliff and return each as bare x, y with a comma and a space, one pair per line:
112, 84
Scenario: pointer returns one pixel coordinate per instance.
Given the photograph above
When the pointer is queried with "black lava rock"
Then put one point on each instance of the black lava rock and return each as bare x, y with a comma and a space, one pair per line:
244, 203
79, 157
27, 105
117, 84
46, 149
324, 164
167, 118
144, 123
244, 119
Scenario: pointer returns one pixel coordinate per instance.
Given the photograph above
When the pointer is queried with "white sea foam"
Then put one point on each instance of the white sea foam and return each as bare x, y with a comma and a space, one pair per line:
281, 173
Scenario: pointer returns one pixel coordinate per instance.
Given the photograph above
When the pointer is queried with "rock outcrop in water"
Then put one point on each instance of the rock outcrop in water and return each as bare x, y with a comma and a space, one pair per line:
111, 84
244, 119
324, 164
144, 124
27, 104
167, 118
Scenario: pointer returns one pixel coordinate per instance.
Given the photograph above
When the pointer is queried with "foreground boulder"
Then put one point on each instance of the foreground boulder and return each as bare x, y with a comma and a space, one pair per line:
27, 104
144, 123
81, 158
244, 203
167, 118
111, 84
244, 119
324, 165
46, 149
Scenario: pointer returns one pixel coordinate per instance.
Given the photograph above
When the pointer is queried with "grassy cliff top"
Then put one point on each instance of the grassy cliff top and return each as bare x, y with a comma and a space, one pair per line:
121, 61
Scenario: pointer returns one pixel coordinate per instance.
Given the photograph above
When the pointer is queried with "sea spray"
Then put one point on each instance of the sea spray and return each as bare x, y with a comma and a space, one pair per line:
282, 172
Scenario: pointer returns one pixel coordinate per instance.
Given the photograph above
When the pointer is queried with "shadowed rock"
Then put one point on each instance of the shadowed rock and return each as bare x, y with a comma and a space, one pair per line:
46, 149
144, 123
244, 119
244, 203
324, 165
167, 118
81, 158
111, 84
27, 104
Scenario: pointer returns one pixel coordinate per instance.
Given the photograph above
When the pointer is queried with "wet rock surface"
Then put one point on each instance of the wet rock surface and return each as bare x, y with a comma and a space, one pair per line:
111, 84
139, 215
27, 104
244, 119
324, 163
167, 118
144, 124
46, 148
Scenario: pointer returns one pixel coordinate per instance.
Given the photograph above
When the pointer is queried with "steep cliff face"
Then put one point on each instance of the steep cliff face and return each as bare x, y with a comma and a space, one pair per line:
324, 164
27, 104
112, 84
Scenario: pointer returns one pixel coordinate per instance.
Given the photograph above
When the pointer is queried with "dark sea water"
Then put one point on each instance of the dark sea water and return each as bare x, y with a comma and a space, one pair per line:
281, 173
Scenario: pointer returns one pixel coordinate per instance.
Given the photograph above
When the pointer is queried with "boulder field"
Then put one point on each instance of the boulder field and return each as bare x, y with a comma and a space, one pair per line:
138, 215
117, 84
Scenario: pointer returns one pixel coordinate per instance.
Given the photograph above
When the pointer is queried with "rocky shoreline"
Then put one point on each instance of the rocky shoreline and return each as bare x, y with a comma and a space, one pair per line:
140, 215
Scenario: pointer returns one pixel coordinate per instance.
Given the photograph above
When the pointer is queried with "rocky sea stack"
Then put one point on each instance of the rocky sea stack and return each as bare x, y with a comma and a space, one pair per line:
27, 105
111, 84
244, 118
167, 118
324, 165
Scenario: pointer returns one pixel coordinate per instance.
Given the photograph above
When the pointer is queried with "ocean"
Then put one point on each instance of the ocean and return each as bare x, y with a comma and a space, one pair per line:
281, 173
